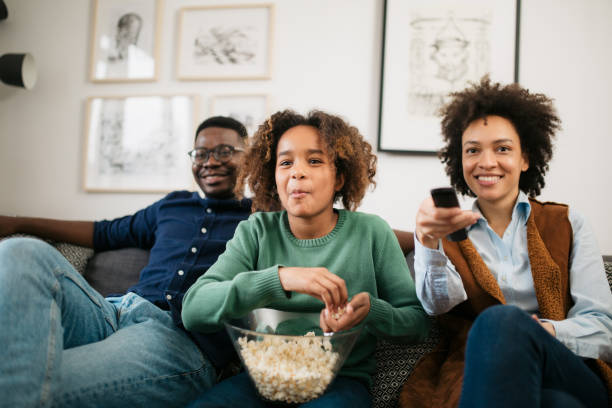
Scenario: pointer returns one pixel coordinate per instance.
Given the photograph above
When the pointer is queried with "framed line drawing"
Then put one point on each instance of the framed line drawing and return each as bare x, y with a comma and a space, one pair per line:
225, 42
431, 49
250, 110
139, 143
124, 40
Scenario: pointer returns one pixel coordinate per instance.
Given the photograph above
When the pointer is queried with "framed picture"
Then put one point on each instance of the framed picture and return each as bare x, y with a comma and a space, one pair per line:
139, 143
124, 40
432, 48
250, 110
225, 42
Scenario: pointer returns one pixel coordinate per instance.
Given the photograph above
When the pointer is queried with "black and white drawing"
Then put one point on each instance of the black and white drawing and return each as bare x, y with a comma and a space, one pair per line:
225, 42
124, 43
250, 110
432, 49
139, 143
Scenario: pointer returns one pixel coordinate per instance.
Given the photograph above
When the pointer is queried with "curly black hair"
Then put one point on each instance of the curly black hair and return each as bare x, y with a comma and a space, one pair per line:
351, 155
532, 115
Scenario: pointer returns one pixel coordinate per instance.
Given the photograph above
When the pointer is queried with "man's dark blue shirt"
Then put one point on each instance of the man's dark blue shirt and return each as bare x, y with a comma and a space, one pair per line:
185, 235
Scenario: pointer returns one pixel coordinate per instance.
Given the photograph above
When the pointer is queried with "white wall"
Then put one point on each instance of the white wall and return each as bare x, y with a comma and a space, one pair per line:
326, 55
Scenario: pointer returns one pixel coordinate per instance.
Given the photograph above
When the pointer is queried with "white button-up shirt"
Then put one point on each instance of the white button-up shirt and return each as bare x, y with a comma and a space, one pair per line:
587, 330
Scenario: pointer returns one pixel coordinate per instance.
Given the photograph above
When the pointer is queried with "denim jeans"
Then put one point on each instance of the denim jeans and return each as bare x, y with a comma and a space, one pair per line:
511, 361
65, 345
239, 391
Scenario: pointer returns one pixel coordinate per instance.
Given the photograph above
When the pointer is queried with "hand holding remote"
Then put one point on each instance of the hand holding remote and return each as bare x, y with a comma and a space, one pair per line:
446, 197
440, 216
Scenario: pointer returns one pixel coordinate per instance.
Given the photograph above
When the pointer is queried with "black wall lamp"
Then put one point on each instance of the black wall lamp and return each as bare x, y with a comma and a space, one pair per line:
16, 69
3, 10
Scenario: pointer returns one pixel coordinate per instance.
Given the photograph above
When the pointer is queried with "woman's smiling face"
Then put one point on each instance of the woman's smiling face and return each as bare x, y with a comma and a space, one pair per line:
493, 160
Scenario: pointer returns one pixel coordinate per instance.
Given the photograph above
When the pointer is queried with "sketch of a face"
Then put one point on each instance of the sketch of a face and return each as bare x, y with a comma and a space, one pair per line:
450, 53
128, 30
225, 45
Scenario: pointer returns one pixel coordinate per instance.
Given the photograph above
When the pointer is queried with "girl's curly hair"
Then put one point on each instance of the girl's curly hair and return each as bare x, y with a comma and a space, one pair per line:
351, 154
533, 116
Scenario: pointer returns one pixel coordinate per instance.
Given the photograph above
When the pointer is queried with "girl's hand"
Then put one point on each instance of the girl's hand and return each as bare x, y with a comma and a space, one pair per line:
546, 325
317, 282
433, 223
356, 310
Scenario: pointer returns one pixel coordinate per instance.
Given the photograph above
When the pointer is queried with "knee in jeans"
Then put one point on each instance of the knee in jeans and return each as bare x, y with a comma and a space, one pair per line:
17, 252
499, 319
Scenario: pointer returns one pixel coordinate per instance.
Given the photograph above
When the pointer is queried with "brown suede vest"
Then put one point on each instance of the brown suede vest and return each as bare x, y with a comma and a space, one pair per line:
437, 378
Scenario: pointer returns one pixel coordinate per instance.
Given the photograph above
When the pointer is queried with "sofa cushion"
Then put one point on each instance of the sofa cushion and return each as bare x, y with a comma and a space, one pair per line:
113, 272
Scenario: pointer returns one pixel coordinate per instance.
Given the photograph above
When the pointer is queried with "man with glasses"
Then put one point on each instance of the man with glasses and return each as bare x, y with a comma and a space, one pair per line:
66, 345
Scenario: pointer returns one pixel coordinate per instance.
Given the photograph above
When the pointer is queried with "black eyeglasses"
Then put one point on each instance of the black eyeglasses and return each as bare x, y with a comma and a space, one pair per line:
221, 153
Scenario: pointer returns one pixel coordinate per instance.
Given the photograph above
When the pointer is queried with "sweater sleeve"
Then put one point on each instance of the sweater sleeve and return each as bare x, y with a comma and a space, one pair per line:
231, 287
396, 312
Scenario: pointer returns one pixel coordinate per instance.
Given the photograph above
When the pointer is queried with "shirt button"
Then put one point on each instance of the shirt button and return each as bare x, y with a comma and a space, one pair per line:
194, 249
181, 272
169, 297
203, 230
209, 210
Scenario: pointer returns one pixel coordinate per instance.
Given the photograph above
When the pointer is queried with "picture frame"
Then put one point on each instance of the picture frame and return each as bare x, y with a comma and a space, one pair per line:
225, 42
249, 109
125, 40
431, 49
139, 144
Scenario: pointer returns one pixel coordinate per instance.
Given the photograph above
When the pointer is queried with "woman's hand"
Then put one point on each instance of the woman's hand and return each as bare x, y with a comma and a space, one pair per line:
317, 282
433, 223
546, 325
354, 313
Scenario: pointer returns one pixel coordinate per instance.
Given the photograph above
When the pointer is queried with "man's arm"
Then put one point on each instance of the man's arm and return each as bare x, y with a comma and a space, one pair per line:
74, 232
405, 239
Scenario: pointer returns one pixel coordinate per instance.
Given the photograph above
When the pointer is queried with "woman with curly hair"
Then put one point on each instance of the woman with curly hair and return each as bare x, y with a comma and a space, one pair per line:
344, 265
523, 302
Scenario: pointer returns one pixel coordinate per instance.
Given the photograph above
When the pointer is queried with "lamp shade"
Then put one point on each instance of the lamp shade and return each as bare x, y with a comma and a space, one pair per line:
18, 70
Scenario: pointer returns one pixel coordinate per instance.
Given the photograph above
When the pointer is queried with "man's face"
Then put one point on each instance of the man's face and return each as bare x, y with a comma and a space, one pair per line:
217, 178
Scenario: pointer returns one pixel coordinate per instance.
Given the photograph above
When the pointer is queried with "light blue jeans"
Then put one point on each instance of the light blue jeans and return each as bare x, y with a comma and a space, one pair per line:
62, 344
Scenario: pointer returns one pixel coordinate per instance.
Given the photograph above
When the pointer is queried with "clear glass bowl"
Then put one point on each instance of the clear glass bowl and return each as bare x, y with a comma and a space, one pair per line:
287, 356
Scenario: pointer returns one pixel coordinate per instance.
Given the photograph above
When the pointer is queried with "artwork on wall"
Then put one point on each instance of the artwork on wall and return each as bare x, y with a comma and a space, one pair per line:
250, 110
225, 42
124, 40
431, 49
139, 143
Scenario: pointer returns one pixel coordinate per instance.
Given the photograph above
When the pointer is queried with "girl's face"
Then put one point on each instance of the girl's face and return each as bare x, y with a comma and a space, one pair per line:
493, 160
306, 178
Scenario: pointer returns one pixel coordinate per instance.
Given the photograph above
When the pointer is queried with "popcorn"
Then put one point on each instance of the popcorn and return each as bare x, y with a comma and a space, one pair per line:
293, 370
339, 312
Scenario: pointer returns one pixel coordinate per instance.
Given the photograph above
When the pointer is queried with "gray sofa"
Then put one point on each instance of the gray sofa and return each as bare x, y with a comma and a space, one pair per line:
114, 271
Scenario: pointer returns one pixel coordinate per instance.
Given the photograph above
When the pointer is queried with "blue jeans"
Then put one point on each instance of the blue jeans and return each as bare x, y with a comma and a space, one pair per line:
64, 345
511, 361
239, 391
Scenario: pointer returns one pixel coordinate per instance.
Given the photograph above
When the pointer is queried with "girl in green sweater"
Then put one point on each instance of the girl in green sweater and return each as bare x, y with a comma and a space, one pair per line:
310, 257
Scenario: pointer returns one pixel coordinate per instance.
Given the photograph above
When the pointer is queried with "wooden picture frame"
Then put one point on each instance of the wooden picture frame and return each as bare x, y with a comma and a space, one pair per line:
225, 42
431, 49
139, 143
125, 40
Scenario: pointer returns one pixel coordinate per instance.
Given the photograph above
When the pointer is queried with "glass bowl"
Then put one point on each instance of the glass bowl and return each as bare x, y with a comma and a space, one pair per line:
286, 354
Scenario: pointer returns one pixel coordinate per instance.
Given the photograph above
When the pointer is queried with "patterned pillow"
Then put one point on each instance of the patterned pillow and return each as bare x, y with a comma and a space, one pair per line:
76, 255
394, 363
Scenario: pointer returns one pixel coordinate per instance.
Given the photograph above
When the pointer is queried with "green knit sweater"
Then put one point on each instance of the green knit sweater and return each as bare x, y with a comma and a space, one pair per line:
361, 249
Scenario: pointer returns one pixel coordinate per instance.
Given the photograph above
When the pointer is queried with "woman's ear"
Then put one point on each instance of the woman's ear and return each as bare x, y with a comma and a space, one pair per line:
525, 165
339, 182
